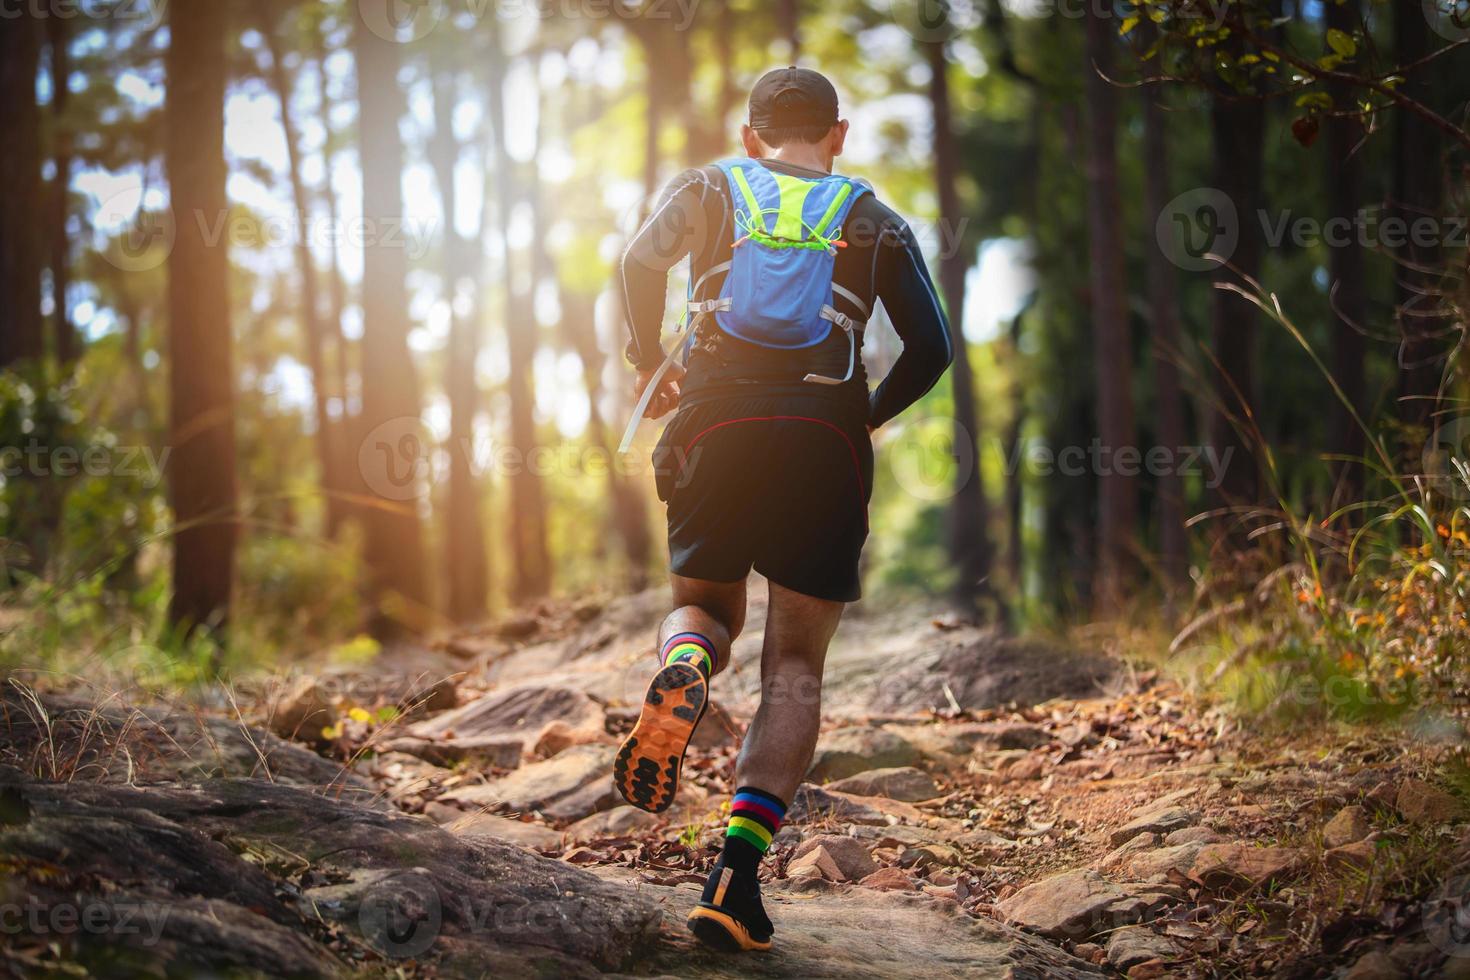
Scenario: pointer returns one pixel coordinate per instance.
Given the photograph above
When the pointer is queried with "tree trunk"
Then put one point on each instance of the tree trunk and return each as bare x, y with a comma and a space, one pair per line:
1238, 126
21, 326
391, 456
1348, 292
312, 331
969, 516
788, 20
629, 512
68, 346
1163, 301
1113, 350
466, 565
528, 507
1419, 193
200, 345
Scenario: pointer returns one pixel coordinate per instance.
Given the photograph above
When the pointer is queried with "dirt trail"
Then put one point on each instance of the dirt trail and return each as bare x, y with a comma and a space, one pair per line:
977, 806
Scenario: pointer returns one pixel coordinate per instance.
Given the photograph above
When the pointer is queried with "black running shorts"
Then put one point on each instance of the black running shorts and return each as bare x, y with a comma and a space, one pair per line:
775, 482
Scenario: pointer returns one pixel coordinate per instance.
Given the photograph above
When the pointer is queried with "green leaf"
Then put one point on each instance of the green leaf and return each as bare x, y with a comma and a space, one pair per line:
1127, 26
1341, 42
1314, 100
1329, 62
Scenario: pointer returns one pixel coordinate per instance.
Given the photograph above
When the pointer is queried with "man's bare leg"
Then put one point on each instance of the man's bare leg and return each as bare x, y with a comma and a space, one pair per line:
712, 609
773, 759
694, 645
783, 735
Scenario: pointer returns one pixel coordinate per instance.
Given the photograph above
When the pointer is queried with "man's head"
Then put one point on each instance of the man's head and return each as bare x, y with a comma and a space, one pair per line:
796, 109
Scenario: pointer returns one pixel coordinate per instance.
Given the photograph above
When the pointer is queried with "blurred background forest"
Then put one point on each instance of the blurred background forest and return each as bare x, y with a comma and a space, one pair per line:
311, 327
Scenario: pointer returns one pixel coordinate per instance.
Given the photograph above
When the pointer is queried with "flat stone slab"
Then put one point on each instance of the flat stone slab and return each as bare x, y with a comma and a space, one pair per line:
844, 931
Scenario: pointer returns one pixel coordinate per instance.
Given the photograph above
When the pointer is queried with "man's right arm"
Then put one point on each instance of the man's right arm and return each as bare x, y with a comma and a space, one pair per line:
913, 306
675, 227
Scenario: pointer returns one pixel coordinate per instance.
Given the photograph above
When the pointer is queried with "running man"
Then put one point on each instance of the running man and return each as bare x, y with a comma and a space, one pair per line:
767, 463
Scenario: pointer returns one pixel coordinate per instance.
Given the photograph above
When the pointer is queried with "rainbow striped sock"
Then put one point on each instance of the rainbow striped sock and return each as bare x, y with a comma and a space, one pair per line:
755, 816
691, 647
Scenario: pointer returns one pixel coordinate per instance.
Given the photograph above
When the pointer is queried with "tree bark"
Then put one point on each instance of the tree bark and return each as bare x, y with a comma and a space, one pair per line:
1345, 270
200, 345
68, 344
528, 506
392, 455
969, 513
1163, 301
1419, 194
21, 325
466, 564
312, 330
1113, 353
1238, 128
788, 20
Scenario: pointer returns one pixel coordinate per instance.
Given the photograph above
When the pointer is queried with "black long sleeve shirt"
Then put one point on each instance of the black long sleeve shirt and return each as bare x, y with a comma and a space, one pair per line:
882, 260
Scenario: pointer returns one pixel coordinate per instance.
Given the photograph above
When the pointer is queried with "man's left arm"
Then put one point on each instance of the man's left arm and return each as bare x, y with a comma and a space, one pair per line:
673, 229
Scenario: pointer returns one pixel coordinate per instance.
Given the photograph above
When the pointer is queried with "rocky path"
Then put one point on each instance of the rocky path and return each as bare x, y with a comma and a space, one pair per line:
976, 807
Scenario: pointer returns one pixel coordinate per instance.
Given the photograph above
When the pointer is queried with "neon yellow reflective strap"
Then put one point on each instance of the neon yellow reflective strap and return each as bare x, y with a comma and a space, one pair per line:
793, 192
821, 228
750, 201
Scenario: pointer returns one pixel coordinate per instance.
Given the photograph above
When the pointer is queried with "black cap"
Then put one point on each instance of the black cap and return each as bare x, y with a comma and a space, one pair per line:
792, 97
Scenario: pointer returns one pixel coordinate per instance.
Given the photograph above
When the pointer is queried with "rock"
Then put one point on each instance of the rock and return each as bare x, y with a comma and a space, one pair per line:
984, 670
1241, 867
1375, 965
532, 835
476, 752
903, 783
1027, 767
1420, 803
1133, 945
1016, 735
1132, 848
568, 786
836, 932
1193, 835
924, 856
302, 711
1157, 821
1357, 855
427, 699
848, 751
716, 729
817, 860
1349, 826
812, 803
1153, 864
559, 736
620, 821
226, 910
1074, 905
888, 880
520, 713
849, 855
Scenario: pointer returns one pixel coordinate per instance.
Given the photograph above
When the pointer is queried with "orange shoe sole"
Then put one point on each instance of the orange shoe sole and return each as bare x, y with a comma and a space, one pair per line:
646, 769
721, 931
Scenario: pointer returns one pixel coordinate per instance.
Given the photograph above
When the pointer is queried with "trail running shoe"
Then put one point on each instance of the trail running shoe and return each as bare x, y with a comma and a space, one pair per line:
647, 766
730, 916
